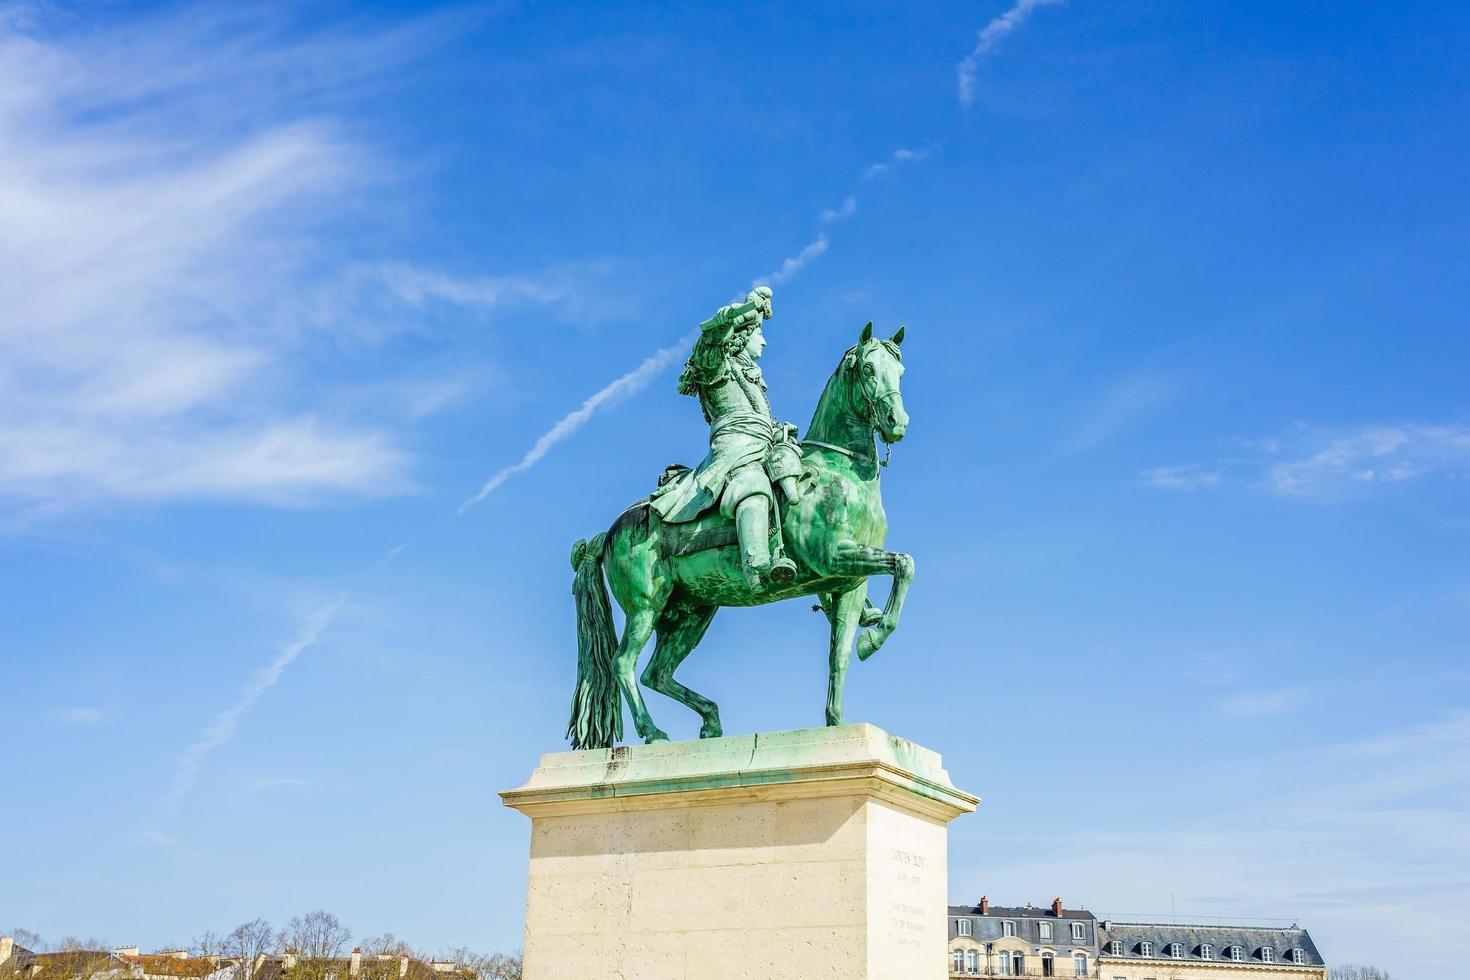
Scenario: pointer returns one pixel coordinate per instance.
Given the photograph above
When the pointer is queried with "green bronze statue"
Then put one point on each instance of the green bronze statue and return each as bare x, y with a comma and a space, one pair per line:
749, 450
763, 518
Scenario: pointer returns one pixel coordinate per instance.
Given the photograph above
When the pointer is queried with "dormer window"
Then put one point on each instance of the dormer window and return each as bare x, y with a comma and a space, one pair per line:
1079, 932
1115, 948
1237, 953
1206, 951
1044, 931
1298, 956
1145, 949
1268, 955
1176, 950
964, 927
1008, 929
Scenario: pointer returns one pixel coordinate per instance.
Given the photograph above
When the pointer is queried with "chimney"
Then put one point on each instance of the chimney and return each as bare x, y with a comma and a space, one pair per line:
356, 967
125, 951
984, 904
402, 966
7, 946
1056, 907
288, 959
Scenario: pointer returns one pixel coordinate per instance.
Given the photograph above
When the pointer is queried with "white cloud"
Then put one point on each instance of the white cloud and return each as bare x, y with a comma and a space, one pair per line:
1179, 478
1261, 704
628, 384
1319, 464
81, 716
990, 36
222, 730
1373, 455
159, 191
846, 209
793, 264
899, 156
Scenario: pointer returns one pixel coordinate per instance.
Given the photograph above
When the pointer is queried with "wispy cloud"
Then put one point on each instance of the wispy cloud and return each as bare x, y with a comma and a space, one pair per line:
900, 156
628, 384
1179, 478
81, 716
160, 191
794, 264
1310, 463
222, 730
846, 209
990, 36
1261, 704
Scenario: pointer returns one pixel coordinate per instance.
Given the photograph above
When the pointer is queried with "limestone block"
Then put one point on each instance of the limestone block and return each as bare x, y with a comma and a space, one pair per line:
814, 853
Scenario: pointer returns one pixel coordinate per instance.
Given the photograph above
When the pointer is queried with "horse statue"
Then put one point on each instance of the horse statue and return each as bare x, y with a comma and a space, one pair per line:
670, 579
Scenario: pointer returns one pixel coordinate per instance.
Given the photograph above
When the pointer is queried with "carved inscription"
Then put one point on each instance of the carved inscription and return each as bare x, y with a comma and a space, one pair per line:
906, 924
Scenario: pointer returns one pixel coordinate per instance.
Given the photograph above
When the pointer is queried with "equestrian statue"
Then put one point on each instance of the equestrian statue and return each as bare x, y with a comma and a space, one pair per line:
766, 516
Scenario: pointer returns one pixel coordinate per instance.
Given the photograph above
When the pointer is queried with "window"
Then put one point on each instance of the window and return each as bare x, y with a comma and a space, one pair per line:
972, 960
1206, 951
1115, 948
1079, 965
1268, 955
1043, 929
1176, 950
1079, 932
1298, 956
959, 961
1048, 965
1145, 949
1236, 953
1008, 929
964, 926
1018, 960
1005, 963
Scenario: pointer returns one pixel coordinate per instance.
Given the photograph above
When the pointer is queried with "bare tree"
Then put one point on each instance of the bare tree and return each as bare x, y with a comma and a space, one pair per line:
26, 939
1351, 971
316, 935
385, 945
248, 943
207, 943
496, 966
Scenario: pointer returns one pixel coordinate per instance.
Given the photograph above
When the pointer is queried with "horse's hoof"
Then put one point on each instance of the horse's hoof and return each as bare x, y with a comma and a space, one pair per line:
867, 645
655, 736
711, 730
870, 616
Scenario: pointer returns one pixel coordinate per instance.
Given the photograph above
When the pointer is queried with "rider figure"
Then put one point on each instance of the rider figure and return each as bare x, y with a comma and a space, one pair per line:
749, 450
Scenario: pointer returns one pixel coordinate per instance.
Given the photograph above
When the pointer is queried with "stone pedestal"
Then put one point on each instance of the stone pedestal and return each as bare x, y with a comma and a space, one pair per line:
805, 854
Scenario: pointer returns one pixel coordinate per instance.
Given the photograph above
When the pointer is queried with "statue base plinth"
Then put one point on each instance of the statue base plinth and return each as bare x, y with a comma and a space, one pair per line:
812, 853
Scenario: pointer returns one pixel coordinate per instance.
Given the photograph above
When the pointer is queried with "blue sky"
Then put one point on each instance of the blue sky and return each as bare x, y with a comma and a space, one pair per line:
282, 289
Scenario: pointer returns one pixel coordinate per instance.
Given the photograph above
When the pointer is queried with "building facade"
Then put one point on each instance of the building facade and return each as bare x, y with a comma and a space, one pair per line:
1011, 941
1165, 951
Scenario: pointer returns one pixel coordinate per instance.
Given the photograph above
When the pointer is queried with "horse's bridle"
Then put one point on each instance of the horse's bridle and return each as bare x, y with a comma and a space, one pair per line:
871, 401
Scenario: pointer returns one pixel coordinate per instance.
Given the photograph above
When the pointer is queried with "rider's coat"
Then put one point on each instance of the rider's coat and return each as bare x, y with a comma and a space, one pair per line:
748, 448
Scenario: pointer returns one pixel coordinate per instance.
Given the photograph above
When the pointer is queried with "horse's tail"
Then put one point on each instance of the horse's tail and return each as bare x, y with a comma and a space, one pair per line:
597, 712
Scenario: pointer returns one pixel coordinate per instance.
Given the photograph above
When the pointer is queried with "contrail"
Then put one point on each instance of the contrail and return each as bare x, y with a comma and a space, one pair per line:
990, 36
632, 382
228, 721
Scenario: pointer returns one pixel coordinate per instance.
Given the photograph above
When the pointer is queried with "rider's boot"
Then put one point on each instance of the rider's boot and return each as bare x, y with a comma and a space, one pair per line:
870, 615
753, 526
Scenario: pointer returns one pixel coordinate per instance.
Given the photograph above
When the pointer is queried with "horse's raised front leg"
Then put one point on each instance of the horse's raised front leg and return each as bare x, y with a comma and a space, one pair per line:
852, 558
845, 609
680, 629
636, 631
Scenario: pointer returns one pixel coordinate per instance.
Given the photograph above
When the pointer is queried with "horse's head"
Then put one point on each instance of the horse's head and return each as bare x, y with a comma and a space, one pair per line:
874, 369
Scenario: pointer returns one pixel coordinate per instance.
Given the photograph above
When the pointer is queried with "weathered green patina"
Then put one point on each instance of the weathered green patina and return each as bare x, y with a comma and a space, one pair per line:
671, 575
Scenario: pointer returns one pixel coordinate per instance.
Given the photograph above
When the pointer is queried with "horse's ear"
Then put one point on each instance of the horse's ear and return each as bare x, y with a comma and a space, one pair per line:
897, 338
867, 334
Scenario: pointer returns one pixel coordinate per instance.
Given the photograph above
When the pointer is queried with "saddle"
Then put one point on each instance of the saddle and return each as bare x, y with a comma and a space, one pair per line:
709, 530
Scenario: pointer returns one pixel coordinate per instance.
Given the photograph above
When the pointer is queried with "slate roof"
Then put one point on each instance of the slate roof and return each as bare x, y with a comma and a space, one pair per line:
1280, 941
1017, 912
